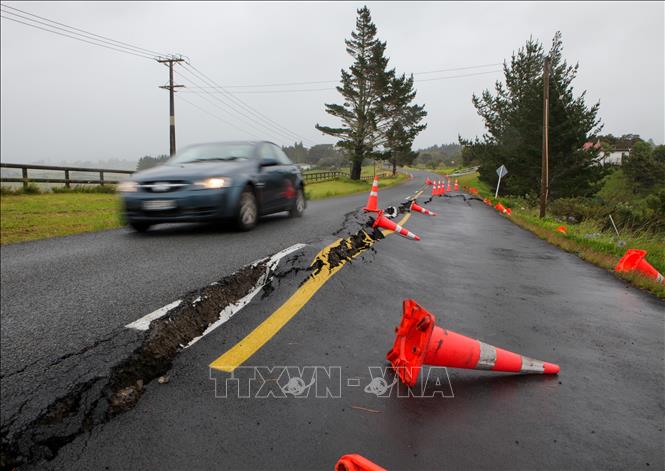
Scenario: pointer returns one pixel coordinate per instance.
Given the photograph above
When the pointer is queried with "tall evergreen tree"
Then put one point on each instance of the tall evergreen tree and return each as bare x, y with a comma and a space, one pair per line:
363, 88
513, 116
401, 121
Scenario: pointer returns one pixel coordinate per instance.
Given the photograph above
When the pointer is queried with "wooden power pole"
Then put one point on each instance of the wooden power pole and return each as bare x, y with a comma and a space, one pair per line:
544, 174
171, 88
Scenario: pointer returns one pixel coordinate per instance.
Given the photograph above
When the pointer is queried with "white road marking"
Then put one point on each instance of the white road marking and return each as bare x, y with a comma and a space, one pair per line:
144, 322
229, 311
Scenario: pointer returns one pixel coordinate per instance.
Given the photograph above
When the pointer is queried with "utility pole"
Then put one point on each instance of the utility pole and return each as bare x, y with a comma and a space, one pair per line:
171, 88
544, 174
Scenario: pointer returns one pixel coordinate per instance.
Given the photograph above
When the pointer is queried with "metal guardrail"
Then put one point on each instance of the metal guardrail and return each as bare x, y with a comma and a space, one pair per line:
309, 177
25, 178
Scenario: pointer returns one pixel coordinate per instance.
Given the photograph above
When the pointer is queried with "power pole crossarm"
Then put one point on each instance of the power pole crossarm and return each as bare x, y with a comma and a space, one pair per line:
544, 174
171, 88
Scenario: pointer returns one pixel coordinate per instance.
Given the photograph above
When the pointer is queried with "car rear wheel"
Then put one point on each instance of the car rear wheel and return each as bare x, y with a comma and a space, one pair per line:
140, 226
248, 211
298, 205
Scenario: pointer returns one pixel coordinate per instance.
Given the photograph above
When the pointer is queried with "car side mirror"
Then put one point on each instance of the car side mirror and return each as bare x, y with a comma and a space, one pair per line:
268, 162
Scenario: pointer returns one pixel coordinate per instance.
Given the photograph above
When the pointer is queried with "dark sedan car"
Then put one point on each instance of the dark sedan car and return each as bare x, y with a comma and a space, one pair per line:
237, 181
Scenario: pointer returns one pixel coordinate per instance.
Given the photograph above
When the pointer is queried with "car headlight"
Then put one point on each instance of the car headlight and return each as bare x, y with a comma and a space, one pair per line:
128, 186
213, 183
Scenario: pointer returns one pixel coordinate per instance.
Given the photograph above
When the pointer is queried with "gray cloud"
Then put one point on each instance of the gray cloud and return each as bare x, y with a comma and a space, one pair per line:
66, 100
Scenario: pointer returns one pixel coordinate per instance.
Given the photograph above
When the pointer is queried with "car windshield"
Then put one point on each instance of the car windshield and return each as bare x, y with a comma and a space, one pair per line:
213, 152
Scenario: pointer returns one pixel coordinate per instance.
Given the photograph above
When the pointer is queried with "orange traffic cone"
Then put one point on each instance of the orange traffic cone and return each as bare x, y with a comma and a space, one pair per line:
428, 181
508, 211
634, 260
562, 229
434, 189
448, 189
419, 341
499, 207
456, 185
487, 202
356, 462
473, 190
420, 209
386, 223
373, 200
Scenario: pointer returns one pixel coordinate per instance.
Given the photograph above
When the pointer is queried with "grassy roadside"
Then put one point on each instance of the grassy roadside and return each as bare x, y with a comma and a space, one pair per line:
37, 215
345, 186
588, 240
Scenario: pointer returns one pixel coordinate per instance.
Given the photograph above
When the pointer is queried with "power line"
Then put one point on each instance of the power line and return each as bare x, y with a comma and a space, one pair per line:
253, 92
248, 120
217, 117
137, 48
319, 82
78, 39
244, 105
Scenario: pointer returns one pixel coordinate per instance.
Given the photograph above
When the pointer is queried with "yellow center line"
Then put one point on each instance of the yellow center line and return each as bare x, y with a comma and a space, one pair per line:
243, 350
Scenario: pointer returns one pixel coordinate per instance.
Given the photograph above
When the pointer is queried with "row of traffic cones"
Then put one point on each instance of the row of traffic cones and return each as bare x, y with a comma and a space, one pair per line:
381, 221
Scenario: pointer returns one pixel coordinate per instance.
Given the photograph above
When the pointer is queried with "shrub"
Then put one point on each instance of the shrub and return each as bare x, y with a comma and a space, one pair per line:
579, 208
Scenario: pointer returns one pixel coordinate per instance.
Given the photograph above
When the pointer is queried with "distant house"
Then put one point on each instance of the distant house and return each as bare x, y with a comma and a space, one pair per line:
304, 167
614, 156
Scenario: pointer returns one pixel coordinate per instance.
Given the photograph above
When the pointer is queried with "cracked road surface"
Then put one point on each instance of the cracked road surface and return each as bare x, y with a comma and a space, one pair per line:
481, 276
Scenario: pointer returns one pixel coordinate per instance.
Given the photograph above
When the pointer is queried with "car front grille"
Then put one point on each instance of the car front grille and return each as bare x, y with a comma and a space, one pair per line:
163, 186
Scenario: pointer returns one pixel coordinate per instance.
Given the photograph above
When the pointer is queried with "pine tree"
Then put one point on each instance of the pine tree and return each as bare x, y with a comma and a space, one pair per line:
513, 116
363, 88
401, 121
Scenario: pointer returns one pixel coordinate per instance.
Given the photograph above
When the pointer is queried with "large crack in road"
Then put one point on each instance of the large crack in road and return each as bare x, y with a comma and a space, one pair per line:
43, 423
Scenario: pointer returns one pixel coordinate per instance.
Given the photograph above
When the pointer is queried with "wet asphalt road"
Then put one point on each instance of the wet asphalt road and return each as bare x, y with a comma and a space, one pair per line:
481, 276
60, 295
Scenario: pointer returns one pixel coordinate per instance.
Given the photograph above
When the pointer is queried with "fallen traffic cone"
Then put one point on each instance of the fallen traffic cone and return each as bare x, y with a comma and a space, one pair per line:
373, 200
499, 207
356, 462
386, 223
487, 202
508, 211
473, 190
418, 342
456, 185
562, 229
634, 260
428, 181
420, 209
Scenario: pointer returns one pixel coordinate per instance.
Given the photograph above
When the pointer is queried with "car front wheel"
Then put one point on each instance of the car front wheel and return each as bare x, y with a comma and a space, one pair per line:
248, 211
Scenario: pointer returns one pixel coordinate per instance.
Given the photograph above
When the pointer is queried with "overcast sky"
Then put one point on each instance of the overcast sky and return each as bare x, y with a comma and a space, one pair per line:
64, 100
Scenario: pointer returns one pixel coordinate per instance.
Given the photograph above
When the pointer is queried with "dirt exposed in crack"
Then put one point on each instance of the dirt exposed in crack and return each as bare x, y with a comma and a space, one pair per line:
98, 400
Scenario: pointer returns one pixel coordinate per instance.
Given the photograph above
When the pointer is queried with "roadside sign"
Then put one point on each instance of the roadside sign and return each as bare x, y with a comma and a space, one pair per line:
501, 172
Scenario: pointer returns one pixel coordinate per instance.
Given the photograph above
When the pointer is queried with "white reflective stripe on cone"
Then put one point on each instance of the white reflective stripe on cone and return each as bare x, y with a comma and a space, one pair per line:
529, 365
487, 358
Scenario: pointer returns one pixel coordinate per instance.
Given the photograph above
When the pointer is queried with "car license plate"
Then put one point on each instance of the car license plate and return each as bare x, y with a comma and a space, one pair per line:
159, 205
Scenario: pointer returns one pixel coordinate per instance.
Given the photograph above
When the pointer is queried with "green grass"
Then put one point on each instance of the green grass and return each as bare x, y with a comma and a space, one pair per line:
345, 186
588, 239
38, 216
